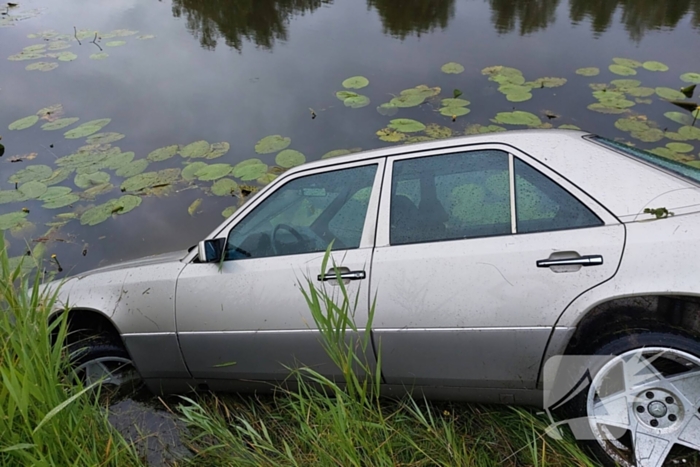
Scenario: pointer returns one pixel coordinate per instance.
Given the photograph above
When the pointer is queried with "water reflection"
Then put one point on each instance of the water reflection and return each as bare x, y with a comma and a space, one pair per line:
637, 16
263, 22
259, 21
401, 18
527, 16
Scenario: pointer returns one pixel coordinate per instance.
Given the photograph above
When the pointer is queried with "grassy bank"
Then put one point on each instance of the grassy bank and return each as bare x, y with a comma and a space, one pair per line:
48, 420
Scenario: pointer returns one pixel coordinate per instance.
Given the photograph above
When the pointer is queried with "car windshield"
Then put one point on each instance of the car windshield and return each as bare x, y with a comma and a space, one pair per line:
678, 168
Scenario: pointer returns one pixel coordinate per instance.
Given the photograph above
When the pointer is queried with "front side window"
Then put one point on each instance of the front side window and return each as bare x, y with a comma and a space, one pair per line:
448, 197
541, 205
305, 215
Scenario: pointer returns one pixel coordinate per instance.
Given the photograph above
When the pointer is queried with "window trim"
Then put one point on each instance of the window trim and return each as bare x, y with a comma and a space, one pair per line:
370, 224
383, 227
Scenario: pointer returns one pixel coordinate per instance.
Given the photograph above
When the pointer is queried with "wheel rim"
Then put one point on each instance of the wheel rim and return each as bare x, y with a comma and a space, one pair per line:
644, 402
112, 371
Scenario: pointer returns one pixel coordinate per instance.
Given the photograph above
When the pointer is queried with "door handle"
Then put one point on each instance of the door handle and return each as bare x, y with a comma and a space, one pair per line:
345, 275
588, 260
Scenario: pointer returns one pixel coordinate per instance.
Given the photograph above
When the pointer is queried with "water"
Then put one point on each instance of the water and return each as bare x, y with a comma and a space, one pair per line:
238, 70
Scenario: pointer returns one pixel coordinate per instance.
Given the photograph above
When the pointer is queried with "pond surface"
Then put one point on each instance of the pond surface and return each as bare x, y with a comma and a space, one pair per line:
170, 73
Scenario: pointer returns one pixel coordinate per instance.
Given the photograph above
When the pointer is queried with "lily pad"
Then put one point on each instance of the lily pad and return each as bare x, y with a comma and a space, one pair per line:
104, 138
631, 124
102, 212
625, 84
99, 56
438, 132
387, 109
31, 173
85, 180
452, 68
679, 117
519, 97
335, 153
266, 178
604, 109
121, 33
150, 179
390, 135
272, 143
407, 100
213, 172
41, 66
61, 201
691, 78
622, 70
64, 56
188, 173
224, 187
290, 158
454, 111
218, 149
59, 124
87, 128
118, 161
163, 153
650, 135
11, 219
247, 170
115, 43
354, 100
670, 94
588, 71
132, 168
518, 117
568, 126
690, 132
26, 56
145, 37
356, 82
455, 102
680, 147
55, 192
195, 150
641, 92
34, 48
477, 129
192, 209
228, 212
627, 62
57, 176
24, 123
33, 189
675, 136
655, 66
548, 82
59, 45
11, 196
406, 125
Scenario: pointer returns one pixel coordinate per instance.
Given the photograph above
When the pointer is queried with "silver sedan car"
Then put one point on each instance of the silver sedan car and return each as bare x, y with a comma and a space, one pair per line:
499, 264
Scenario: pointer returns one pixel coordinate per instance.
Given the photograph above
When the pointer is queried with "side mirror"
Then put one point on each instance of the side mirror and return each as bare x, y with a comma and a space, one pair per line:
211, 251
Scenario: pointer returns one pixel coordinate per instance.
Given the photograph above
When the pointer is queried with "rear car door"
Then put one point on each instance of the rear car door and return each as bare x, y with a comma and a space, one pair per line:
478, 251
246, 319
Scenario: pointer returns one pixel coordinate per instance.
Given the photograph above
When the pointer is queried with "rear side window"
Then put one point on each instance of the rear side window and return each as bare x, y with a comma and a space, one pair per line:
683, 170
541, 205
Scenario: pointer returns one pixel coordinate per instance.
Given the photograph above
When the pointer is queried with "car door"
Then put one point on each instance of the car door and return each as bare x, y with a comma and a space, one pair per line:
478, 251
246, 318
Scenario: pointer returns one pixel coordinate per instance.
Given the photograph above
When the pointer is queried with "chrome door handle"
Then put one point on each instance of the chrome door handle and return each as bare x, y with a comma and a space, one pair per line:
588, 260
347, 275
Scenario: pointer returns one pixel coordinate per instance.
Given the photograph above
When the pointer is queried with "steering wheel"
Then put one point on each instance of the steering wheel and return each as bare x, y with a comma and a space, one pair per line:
289, 229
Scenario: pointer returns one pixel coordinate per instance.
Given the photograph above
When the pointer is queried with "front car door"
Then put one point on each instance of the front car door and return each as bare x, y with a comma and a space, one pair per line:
246, 318
469, 270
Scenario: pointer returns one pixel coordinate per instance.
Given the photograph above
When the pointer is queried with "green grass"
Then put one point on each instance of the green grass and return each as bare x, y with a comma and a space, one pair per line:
46, 419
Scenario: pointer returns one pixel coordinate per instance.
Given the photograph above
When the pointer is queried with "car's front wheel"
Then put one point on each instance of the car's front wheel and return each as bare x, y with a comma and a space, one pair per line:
643, 404
103, 362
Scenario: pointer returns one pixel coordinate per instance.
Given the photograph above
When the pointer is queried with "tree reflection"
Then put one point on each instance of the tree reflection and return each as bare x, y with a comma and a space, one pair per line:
637, 16
528, 15
401, 18
259, 21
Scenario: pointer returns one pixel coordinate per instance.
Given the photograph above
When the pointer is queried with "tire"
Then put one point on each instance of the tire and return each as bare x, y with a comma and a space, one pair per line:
652, 408
104, 363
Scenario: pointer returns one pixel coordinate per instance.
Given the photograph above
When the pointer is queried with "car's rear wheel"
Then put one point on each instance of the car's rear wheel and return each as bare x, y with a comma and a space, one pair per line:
106, 363
643, 405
